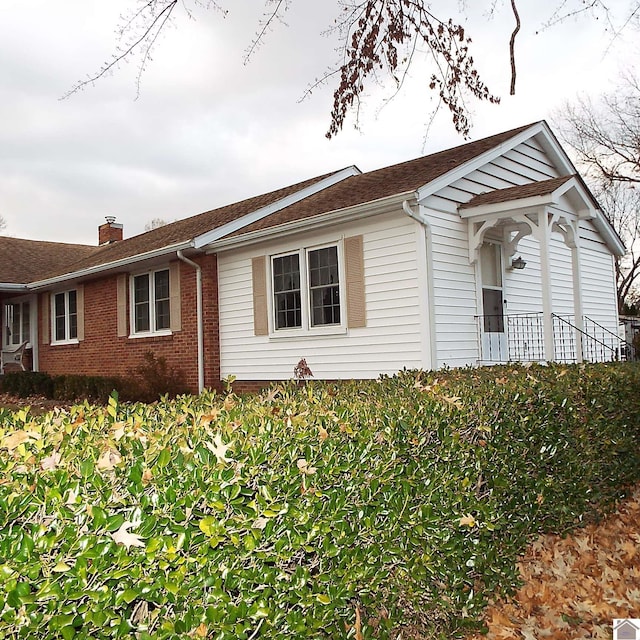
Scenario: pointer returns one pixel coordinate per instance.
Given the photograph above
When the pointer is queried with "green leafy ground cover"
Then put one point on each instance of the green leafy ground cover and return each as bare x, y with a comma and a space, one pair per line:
367, 510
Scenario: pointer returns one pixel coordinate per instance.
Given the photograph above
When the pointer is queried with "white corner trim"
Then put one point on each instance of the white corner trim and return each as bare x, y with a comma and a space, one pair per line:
283, 203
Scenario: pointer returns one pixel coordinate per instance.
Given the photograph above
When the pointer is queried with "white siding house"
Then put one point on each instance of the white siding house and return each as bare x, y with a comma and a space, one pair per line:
492, 251
438, 237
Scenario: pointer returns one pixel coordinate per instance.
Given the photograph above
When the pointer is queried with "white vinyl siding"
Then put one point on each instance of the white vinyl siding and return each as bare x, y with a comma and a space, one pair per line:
389, 341
599, 300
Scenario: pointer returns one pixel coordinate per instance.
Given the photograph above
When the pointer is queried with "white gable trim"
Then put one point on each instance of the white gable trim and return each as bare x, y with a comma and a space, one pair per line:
283, 203
556, 152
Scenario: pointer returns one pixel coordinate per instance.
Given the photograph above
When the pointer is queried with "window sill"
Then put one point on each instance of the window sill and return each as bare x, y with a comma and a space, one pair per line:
298, 334
62, 343
151, 334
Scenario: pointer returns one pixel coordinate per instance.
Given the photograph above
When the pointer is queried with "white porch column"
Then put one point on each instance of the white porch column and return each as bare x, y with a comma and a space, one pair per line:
572, 239
542, 233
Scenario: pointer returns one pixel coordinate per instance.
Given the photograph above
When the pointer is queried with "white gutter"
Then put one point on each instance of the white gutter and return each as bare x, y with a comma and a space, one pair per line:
363, 210
123, 262
198, 269
12, 286
431, 313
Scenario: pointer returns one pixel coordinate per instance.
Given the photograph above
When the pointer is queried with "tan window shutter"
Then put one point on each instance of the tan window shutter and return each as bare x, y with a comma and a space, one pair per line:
354, 272
80, 310
46, 308
260, 313
175, 311
121, 303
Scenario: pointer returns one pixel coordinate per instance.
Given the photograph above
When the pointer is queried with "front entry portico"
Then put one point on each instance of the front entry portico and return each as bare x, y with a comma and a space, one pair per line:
503, 218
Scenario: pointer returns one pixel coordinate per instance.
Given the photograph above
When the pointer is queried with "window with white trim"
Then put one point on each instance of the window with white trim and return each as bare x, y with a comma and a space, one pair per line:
17, 323
64, 316
309, 297
150, 308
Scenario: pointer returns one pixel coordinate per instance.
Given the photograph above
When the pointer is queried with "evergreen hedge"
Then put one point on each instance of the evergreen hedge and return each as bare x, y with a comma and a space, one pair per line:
359, 510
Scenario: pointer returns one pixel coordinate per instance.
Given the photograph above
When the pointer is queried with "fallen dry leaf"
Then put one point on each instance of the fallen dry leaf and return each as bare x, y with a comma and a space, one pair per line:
122, 536
108, 460
575, 586
50, 462
15, 439
304, 468
218, 448
467, 521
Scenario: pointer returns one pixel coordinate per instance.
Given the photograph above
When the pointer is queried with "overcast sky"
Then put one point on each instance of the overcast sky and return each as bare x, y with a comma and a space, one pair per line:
207, 130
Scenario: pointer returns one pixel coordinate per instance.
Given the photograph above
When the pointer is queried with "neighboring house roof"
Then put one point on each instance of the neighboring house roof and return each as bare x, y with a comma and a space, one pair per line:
23, 261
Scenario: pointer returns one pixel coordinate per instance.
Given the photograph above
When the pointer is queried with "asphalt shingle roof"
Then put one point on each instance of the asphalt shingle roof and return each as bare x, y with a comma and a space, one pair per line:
24, 261
531, 190
388, 181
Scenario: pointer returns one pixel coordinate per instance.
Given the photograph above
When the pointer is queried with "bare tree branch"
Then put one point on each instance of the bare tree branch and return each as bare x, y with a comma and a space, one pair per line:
266, 25
512, 44
145, 41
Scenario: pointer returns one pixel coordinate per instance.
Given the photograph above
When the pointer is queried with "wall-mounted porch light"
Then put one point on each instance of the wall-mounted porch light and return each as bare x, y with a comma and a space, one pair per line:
518, 263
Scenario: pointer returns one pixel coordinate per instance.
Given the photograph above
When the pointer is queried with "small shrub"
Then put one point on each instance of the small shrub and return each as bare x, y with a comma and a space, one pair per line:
155, 378
76, 387
24, 384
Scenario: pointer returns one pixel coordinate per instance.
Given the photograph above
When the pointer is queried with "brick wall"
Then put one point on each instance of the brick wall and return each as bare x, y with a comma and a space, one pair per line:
102, 352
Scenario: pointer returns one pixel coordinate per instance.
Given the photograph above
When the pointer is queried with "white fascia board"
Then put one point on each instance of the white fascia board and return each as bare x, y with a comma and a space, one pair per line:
108, 266
459, 172
611, 238
591, 212
283, 203
363, 210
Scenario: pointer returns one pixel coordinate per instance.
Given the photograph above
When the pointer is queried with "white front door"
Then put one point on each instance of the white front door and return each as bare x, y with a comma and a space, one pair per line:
494, 338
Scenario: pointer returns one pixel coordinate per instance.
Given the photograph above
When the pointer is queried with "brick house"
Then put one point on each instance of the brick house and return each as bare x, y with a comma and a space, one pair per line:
414, 265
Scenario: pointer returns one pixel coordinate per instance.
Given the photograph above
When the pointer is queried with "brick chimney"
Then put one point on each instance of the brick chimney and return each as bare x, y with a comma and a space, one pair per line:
110, 231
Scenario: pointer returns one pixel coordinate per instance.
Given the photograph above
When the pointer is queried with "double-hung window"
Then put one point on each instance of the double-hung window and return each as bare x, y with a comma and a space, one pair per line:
17, 323
65, 316
306, 289
150, 307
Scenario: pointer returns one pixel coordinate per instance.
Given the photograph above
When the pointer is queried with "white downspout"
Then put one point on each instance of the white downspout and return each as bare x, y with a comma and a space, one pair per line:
422, 220
198, 269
